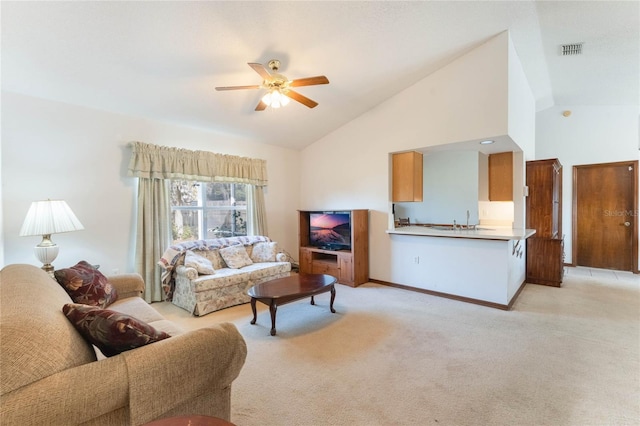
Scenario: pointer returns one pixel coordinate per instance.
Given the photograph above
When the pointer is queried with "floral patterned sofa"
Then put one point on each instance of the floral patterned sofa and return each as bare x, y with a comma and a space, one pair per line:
208, 275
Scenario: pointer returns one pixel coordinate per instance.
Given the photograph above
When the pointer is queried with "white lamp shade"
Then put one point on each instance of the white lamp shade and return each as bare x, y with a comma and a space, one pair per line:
49, 217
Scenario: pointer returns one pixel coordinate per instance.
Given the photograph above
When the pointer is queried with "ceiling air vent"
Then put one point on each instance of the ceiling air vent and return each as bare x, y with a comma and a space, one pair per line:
572, 49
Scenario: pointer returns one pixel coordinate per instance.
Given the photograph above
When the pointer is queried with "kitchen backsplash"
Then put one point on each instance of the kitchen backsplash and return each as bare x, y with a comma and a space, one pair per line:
496, 213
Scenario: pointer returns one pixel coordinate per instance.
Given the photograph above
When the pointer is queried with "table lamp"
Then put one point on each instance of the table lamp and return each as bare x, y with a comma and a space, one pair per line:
46, 218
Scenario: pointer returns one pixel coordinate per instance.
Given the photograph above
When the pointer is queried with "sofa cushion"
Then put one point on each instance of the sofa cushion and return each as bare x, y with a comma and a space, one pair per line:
86, 285
168, 326
214, 256
264, 252
235, 256
259, 271
142, 311
138, 308
223, 278
111, 331
199, 263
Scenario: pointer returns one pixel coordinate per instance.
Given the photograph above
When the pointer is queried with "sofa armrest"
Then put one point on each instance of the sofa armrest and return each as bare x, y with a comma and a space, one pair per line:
169, 373
150, 381
72, 396
127, 285
187, 271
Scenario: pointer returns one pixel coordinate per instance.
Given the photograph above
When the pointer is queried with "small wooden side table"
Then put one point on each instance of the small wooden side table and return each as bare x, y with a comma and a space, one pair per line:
190, 421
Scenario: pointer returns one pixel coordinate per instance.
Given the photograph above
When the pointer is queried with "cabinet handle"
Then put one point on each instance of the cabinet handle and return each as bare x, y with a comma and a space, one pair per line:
627, 224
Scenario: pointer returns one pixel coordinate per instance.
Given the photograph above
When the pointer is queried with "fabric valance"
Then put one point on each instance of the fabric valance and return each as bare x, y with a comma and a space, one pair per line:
161, 162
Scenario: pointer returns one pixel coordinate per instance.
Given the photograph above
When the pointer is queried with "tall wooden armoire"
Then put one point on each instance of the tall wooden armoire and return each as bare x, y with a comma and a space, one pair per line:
545, 249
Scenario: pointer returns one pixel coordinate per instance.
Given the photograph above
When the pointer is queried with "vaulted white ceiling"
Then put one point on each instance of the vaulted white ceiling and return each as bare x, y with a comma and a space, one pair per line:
162, 60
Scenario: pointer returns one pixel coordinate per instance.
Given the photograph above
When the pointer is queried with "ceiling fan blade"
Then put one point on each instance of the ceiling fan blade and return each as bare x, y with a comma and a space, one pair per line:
261, 106
260, 69
253, 86
300, 98
309, 81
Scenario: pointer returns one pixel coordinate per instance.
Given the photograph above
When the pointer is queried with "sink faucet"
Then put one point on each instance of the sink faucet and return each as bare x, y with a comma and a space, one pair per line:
470, 227
454, 225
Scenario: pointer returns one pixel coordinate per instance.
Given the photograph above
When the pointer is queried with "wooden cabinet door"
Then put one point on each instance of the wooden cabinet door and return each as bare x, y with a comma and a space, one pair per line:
345, 269
327, 268
544, 202
545, 261
501, 176
406, 177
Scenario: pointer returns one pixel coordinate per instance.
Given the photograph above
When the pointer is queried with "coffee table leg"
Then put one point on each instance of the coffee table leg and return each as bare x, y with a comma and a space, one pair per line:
253, 308
313, 302
333, 297
273, 308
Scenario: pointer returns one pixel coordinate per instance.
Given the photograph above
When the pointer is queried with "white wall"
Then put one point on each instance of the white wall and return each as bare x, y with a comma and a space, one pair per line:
349, 168
1, 215
590, 135
522, 118
55, 150
522, 106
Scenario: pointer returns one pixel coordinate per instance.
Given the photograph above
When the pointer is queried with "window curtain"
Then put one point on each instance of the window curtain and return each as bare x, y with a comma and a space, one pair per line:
160, 162
256, 210
154, 234
154, 166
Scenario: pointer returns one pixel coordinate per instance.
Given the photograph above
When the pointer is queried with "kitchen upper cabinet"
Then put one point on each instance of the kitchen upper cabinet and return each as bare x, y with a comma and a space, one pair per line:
407, 177
501, 176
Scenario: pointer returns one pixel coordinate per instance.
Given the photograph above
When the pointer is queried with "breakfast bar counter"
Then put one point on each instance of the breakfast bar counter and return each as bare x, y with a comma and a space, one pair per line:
486, 265
481, 233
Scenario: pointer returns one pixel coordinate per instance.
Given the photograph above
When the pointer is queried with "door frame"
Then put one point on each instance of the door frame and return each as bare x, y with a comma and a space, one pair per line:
634, 216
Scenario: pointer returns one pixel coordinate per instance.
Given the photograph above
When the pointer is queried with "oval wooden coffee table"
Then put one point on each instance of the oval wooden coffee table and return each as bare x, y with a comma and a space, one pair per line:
289, 289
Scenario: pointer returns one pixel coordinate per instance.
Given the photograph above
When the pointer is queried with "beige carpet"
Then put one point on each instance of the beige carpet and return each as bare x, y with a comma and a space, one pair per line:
568, 356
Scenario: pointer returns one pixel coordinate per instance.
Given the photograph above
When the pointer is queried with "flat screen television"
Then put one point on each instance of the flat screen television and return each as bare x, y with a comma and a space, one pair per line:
330, 230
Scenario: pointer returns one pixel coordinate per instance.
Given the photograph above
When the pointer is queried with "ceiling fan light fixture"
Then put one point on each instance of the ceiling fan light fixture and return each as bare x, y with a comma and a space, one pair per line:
275, 99
278, 87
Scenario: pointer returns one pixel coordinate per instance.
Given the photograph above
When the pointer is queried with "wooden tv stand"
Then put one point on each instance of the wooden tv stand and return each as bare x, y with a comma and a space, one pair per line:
350, 267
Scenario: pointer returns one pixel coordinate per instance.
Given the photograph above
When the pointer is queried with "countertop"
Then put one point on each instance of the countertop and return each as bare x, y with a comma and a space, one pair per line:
483, 233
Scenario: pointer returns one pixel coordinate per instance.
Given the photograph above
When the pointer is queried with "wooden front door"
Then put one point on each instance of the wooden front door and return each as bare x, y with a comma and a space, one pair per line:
605, 225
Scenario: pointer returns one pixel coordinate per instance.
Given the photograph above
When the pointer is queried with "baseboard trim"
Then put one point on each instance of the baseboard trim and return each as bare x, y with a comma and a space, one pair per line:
453, 296
573, 265
515, 296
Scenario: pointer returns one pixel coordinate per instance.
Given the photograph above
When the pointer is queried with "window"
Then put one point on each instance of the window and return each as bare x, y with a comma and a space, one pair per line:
202, 210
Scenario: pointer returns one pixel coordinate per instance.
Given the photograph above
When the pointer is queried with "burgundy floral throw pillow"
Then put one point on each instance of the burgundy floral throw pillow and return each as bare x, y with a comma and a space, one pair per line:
86, 285
111, 331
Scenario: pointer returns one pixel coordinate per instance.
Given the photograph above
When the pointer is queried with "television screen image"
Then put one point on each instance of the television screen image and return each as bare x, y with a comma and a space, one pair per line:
330, 230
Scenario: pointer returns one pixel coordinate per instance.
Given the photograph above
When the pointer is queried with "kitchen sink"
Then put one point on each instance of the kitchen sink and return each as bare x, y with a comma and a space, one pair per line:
460, 228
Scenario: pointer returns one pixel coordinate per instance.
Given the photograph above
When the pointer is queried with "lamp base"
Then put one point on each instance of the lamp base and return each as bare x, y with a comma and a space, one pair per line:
46, 255
48, 268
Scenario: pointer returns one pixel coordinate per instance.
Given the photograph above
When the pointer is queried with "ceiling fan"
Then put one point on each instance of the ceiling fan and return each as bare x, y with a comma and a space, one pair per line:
279, 86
